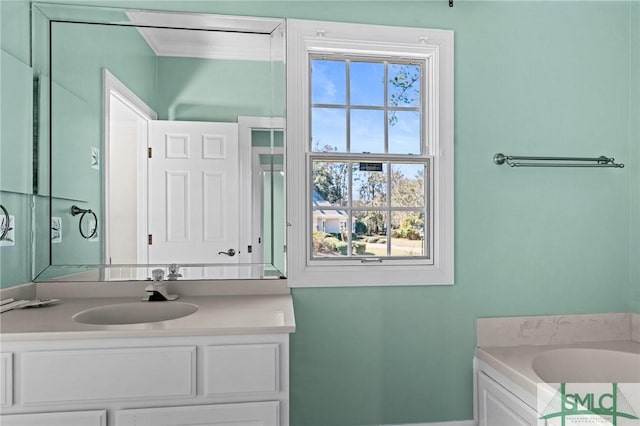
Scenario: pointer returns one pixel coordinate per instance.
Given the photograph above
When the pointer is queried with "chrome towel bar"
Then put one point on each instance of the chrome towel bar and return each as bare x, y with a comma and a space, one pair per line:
516, 161
75, 210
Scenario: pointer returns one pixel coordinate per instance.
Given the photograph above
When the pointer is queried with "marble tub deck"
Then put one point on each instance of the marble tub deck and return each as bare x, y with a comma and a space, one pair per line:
509, 345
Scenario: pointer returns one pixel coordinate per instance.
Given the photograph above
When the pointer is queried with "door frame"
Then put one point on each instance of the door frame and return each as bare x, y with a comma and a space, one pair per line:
251, 227
111, 86
257, 195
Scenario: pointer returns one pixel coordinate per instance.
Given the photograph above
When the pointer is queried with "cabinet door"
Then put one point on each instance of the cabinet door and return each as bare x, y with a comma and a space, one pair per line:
107, 374
76, 418
499, 407
243, 414
232, 370
6, 379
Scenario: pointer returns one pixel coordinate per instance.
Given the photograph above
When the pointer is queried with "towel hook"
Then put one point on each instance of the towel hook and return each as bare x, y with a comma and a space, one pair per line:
75, 210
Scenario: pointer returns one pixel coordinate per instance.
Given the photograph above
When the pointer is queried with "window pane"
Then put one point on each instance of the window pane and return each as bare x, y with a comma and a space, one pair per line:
404, 85
407, 185
404, 132
328, 82
367, 131
369, 187
330, 184
407, 233
328, 130
370, 228
367, 83
326, 243
267, 138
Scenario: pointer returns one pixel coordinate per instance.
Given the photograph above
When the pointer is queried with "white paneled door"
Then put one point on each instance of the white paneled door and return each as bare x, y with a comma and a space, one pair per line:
193, 192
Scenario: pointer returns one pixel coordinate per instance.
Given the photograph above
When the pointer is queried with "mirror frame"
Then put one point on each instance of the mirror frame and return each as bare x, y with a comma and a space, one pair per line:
43, 15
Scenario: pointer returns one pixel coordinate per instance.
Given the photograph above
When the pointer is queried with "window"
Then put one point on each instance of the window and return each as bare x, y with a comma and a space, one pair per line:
368, 161
370, 155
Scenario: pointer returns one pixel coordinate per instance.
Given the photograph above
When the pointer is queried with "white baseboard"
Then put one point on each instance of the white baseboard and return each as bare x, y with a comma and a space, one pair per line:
456, 423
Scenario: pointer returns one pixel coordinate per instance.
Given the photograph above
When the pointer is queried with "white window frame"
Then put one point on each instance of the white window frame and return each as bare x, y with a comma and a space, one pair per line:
436, 46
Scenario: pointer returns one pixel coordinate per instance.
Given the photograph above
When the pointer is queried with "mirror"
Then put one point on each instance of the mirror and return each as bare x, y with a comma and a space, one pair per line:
160, 141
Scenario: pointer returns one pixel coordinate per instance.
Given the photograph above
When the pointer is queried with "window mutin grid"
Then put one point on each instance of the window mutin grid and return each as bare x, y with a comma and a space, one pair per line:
389, 110
352, 211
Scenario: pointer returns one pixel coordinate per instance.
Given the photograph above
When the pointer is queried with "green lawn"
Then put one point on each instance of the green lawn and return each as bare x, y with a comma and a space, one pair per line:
400, 247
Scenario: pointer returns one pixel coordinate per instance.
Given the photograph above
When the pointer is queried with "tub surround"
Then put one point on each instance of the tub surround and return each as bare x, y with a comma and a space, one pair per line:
505, 380
509, 345
557, 329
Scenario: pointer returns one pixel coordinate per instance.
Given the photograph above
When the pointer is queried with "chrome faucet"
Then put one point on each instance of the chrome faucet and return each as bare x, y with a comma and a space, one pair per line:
157, 291
173, 272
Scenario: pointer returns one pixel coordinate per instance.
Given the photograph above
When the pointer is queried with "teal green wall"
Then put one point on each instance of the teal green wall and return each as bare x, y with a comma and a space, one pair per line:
15, 139
542, 78
16, 173
15, 33
532, 241
16, 105
15, 261
80, 53
634, 156
212, 90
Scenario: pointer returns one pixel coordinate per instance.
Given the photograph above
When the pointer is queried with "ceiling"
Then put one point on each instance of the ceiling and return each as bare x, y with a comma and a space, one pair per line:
207, 36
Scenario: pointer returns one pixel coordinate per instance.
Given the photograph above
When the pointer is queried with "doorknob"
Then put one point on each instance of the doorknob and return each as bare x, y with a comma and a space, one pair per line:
230, 252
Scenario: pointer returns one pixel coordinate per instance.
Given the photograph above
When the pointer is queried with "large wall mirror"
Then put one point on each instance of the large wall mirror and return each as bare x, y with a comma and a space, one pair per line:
160, 142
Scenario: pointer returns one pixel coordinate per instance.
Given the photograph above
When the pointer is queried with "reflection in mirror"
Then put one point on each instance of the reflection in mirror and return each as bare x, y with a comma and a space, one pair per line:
170, 133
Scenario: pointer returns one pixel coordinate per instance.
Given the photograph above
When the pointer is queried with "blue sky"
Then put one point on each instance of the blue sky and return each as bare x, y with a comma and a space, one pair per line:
329, 125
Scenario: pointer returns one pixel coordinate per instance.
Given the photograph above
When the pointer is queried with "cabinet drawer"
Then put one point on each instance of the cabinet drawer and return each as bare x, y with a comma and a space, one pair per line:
242, 369
6, 379
107, 374
243, 414
75, 418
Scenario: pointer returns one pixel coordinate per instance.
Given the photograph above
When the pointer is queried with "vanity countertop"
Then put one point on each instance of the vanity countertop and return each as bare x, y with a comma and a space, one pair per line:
216, 315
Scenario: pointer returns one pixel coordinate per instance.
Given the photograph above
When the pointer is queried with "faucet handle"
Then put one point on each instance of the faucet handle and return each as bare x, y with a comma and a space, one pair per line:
173, 272
157, 274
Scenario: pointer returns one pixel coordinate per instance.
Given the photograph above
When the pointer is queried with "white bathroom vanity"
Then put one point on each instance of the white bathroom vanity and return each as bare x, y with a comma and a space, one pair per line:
226, 363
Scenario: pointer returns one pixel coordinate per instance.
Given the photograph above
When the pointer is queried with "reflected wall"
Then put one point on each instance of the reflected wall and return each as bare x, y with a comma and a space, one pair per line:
16, 136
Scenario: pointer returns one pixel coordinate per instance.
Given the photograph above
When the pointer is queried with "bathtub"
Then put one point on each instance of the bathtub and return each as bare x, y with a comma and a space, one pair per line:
507, 379
595, 362
587, 365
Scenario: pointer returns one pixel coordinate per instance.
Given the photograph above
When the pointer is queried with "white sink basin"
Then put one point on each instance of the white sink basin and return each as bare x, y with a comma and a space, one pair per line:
135, 313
